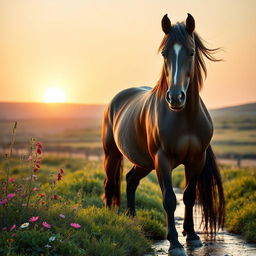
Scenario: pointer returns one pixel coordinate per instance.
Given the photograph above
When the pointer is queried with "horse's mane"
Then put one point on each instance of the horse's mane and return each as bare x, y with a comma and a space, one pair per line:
179, 34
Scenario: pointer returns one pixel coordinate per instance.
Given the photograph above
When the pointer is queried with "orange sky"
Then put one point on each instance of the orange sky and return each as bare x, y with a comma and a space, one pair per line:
94, 48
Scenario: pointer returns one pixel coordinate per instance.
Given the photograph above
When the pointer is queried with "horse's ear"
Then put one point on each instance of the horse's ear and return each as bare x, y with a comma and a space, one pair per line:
166, 24
190, 24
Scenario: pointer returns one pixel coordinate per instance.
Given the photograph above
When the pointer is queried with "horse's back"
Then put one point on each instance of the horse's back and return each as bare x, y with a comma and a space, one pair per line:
124, 99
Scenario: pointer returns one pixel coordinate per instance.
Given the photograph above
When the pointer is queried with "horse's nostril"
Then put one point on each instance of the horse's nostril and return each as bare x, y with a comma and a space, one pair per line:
168, 96
181, 96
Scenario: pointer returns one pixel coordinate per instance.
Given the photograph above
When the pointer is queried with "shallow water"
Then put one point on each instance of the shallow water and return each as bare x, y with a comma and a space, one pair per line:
225, 243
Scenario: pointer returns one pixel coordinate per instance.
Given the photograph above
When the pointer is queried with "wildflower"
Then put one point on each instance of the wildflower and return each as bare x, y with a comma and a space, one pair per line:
37, 165
11, 195
35, 189
47, 246
4, 201
41, 195
61, 171
4, 228
11, 180
52, 238
34, 219
75, 225
35, 169
46, 225
30, 158
62, 216
12, 227
10, 240
39, 151
24, 225
59, 176
55, 197
42, 202
39, 144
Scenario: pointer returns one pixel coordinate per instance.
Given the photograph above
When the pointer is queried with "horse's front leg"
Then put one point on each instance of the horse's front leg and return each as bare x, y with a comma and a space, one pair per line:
163, 168
189, 196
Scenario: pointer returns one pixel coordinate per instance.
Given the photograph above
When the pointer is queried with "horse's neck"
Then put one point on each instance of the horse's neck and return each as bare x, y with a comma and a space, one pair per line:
193, 101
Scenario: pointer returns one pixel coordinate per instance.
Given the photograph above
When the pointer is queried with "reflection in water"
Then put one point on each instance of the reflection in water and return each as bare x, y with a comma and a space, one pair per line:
225, 244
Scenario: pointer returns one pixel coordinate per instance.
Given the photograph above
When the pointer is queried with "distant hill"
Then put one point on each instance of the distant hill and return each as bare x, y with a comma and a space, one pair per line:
21, 111
245, 110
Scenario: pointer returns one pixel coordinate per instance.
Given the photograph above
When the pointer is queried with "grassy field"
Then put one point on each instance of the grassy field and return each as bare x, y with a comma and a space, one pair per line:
234, 133
45, 192
77, 196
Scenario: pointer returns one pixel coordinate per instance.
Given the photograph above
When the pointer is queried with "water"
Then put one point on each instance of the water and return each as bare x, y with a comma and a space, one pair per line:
225, 243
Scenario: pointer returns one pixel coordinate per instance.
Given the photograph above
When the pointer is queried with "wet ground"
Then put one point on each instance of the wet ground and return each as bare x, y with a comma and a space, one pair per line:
225, 244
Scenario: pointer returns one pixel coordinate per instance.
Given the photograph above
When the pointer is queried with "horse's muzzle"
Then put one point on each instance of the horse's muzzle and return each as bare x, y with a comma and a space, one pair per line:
176, 99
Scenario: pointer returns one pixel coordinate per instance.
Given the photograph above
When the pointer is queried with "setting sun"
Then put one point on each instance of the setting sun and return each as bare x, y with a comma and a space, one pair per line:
54, 95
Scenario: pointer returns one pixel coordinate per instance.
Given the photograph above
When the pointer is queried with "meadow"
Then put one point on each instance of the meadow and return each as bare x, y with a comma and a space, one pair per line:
52, 205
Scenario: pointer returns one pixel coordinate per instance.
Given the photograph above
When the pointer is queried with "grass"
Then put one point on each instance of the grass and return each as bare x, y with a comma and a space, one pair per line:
102, 232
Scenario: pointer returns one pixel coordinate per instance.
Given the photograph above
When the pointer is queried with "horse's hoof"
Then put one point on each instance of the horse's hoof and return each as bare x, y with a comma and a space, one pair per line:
194, 243
178, 251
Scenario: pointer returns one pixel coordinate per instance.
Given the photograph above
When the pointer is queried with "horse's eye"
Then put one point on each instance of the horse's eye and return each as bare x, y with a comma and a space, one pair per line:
192, 53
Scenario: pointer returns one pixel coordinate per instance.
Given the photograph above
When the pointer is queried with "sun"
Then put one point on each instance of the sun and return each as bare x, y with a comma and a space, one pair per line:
54, 95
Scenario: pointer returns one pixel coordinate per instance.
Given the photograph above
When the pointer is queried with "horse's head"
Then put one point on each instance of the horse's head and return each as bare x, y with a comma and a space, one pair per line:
179, 58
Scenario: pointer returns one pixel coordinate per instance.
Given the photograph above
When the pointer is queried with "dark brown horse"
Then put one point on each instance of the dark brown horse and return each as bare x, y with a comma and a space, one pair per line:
164, 127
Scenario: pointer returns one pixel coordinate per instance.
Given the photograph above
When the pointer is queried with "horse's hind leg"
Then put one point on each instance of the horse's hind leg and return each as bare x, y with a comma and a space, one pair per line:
133, 178
113, 168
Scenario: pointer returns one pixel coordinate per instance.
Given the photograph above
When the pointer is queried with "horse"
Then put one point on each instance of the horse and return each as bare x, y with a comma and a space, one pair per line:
165, 126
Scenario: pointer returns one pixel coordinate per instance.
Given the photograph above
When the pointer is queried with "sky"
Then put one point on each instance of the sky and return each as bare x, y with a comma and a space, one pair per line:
92, 49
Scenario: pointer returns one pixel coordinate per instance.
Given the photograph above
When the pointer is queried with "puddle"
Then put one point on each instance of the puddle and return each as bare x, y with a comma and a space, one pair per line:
225, 243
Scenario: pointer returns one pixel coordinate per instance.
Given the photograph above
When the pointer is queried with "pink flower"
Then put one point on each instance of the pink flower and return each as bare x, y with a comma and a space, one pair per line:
4, 201
35, 169
75, 225
34, 219
4, 228
59, 176
62, 216
11, 195
55, 197
12, 227
46, 225
35, 189
30, 158
39, 144
39, 151
12, 180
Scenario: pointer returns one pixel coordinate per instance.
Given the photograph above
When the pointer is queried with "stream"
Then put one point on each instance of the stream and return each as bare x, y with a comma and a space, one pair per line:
225, 243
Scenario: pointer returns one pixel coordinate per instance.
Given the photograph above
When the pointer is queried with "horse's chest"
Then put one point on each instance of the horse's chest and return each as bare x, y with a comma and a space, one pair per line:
185, 148
187, 145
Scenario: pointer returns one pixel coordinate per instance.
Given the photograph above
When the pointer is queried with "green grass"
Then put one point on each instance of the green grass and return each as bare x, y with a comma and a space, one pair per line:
103, 232
240, 192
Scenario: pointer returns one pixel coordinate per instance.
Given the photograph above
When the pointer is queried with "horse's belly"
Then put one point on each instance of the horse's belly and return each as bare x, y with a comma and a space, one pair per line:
133, 146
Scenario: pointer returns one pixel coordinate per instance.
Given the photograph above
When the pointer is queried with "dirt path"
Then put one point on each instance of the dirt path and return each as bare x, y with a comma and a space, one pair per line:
226, 244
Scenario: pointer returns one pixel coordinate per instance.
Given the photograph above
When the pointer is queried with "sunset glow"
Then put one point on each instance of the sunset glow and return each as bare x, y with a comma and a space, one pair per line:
54, 95
61, 43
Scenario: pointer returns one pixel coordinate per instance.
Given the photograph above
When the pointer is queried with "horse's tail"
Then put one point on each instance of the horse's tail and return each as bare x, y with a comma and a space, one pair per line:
210, 195
112, 185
